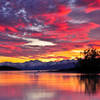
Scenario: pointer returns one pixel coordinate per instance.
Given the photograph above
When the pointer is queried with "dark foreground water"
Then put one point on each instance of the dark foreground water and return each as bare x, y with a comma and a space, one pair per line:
30, 85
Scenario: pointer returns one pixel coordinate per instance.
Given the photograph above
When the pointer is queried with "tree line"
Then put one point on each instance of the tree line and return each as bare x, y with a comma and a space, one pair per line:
90, 61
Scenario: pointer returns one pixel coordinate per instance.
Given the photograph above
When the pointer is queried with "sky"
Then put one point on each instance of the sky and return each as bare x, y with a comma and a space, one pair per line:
47, 30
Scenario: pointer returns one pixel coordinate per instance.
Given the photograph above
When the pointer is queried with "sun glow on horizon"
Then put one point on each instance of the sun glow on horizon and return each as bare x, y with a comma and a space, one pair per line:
55, 56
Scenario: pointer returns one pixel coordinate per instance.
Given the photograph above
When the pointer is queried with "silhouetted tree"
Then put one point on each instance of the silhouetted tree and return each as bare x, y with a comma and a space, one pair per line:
90, 61
91, 54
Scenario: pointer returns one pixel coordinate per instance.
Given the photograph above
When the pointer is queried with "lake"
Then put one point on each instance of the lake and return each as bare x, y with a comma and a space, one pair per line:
33, 85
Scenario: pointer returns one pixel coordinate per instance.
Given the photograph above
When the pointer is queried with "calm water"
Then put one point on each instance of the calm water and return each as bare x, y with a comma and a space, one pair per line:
29, 85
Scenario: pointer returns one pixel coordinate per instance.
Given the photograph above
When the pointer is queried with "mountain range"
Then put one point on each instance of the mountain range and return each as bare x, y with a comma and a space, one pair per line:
38, 65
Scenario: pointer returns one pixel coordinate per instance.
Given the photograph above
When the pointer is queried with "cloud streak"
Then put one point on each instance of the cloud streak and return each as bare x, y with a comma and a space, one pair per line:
37, 28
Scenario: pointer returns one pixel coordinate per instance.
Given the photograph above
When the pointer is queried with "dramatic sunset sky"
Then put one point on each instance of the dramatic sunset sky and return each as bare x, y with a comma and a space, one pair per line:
47, 30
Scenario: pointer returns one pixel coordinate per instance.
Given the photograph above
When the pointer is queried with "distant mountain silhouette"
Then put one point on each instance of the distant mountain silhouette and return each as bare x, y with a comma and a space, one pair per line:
61, 66
38, 65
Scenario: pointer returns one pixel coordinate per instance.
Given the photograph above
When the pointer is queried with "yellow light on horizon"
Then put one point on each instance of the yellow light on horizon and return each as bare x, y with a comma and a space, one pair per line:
14, 59
55, 56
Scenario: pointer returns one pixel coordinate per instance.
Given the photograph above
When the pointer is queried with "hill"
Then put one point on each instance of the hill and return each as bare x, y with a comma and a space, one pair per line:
8, 68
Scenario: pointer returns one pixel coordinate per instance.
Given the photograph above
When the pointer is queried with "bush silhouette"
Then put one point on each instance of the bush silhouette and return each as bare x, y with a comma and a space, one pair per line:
91, 54
90, 61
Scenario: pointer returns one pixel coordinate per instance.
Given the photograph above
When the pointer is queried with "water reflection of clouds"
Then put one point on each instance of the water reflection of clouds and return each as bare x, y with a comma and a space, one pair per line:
48, 86
38, 95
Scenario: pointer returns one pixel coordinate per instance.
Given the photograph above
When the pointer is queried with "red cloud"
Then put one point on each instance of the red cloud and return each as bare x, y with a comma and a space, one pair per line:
12, 29
63, 10
2, 28
92, 5
69, 33
61, 13
8, 46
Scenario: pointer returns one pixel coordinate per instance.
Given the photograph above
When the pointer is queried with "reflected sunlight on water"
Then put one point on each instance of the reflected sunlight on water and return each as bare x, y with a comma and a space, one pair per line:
29, 85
